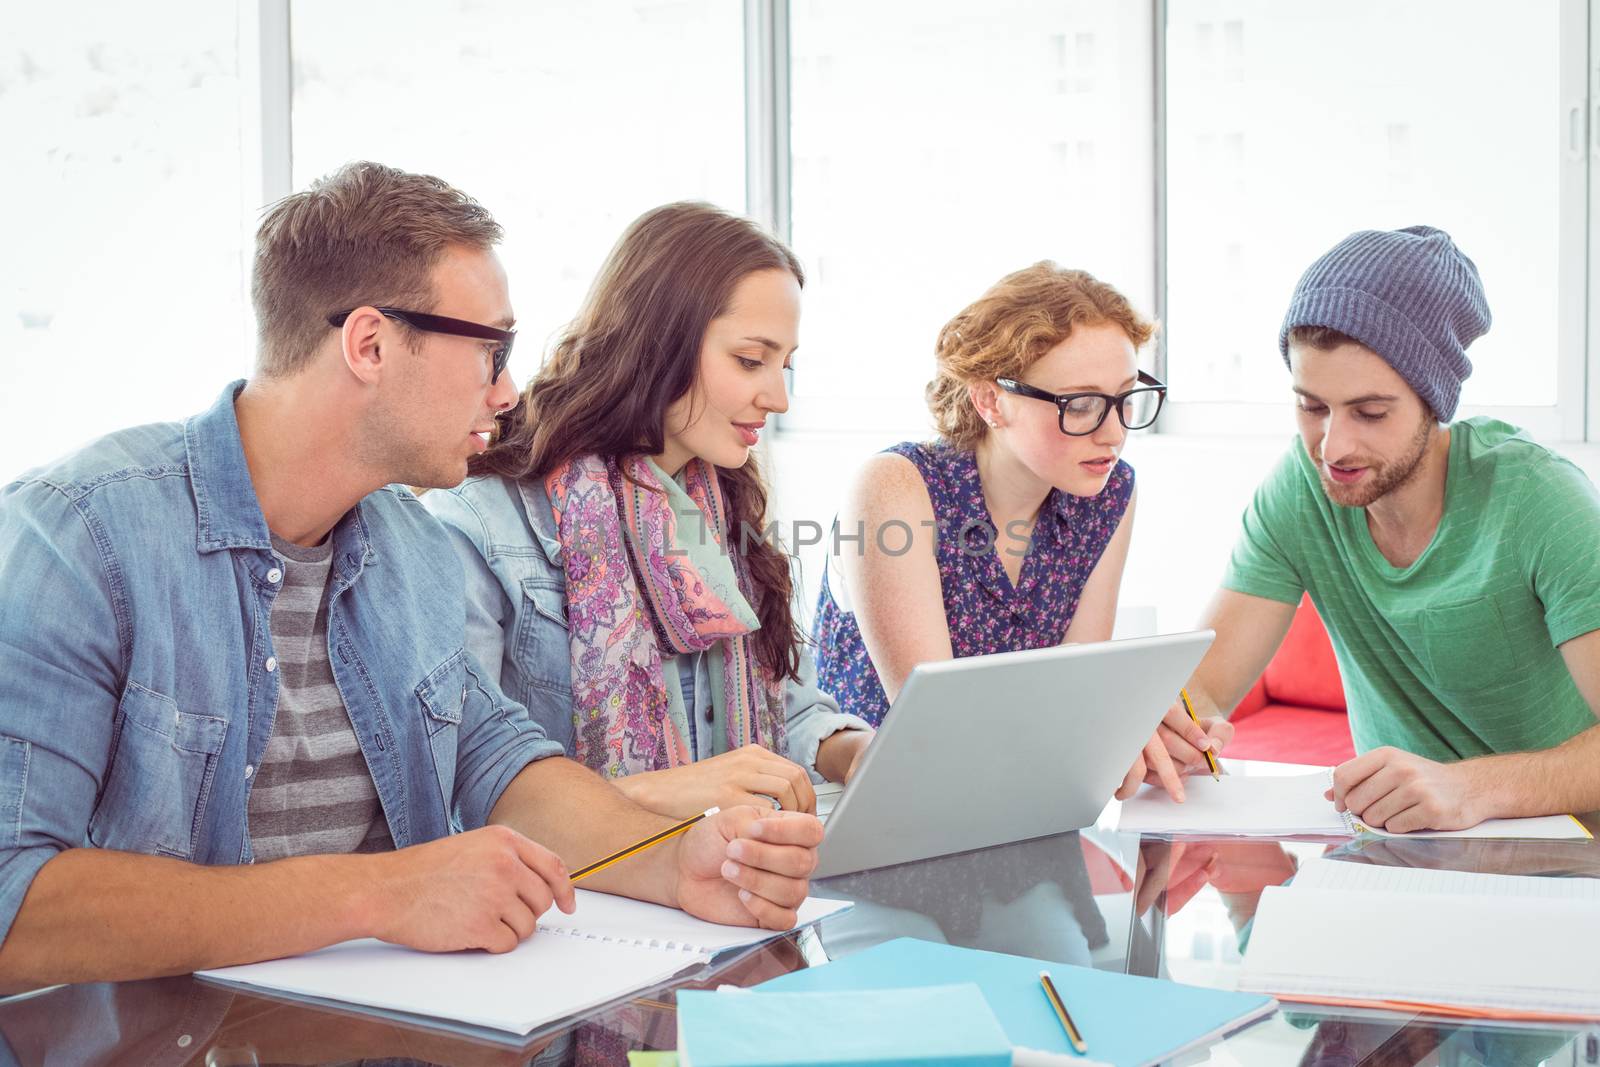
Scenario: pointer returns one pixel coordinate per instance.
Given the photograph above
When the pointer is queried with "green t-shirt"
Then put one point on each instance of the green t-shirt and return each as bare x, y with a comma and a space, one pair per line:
1456, 655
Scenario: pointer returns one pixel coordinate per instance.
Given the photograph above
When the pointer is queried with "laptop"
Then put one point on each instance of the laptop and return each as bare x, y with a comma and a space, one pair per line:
986, 750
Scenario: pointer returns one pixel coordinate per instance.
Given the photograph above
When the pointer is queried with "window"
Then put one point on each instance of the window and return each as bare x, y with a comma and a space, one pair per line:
1289, 127
934, 146
121, 295
938, 145
566, 119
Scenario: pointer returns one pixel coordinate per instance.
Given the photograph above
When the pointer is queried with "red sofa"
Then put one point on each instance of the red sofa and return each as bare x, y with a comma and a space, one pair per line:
1295, 713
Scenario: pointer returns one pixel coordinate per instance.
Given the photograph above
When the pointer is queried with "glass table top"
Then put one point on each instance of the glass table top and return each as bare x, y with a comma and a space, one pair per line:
1176, 909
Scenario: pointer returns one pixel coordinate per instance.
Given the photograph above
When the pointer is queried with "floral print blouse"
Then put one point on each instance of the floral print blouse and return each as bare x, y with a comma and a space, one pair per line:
984, 611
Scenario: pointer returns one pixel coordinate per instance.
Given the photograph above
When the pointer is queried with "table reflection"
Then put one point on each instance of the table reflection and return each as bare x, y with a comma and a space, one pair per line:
1033, 898
1179, 909
1202, 937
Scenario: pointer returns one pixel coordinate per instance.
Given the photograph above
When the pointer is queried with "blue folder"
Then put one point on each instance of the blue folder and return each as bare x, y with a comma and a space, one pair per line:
1126, 1020
951, 1026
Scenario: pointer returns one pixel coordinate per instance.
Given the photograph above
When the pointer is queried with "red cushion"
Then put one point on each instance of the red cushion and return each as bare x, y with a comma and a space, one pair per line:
1304, 673
1253, 701
1287, 734
1106, 876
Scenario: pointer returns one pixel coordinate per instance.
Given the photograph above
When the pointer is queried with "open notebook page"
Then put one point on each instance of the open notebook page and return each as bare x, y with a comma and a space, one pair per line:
550, 976
614, 918
611, 947
1456, 950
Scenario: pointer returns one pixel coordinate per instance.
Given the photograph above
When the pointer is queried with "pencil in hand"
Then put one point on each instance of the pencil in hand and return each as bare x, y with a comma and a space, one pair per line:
639, 846
1211, 761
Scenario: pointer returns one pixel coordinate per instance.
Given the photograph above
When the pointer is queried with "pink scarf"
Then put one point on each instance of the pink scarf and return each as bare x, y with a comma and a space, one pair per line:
631, 598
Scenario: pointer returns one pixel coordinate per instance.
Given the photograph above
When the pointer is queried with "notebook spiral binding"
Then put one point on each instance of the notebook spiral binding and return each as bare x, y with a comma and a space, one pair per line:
1352, 825
640, 942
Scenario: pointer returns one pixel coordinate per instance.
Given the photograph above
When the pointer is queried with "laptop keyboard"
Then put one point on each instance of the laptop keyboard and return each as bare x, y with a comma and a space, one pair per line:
827, 797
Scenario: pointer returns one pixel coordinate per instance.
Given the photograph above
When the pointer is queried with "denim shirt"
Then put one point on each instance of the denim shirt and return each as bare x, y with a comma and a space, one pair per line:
506, 535
137, 680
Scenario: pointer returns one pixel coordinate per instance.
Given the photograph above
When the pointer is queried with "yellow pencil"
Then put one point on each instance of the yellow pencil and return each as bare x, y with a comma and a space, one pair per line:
1073, 1034
640, 846
1211, 761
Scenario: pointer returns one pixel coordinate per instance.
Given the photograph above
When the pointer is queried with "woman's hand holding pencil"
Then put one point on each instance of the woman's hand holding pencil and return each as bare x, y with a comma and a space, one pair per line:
1185, 743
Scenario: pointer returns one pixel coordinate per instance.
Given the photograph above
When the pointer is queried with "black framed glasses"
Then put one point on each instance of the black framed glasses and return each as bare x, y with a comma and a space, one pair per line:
1081, 414
421, 320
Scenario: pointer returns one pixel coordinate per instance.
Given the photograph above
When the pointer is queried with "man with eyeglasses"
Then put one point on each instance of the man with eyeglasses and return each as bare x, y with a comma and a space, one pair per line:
1456, 565
236, 717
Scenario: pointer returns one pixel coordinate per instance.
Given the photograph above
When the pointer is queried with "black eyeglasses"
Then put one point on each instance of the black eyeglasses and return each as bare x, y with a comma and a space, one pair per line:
1081, 414
421, 320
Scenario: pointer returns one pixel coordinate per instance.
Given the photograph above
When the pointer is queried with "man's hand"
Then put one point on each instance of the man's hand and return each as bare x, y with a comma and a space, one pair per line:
483, 889
1392, 790
747, 867
748, 775
1174, 751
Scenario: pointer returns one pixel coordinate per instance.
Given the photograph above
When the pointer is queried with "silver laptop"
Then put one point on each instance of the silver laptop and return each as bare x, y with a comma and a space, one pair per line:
990, 749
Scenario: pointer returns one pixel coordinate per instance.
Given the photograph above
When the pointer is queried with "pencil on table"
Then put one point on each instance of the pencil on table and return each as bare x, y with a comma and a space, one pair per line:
1064, 1017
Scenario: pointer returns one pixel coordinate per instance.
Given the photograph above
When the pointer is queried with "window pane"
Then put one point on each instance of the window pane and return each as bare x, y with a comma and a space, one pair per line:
940, 144
1290, 126
121, 295
567, 119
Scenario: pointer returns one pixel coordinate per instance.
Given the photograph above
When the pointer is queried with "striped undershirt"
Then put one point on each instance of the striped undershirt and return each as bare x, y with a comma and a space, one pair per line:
312, 792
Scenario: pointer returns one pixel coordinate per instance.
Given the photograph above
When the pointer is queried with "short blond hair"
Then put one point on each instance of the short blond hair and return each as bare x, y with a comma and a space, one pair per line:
365, 234
1002, 333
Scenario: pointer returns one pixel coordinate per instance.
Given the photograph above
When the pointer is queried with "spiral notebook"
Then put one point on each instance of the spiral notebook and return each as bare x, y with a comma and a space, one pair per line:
1283, 805
609, 948
1444, 942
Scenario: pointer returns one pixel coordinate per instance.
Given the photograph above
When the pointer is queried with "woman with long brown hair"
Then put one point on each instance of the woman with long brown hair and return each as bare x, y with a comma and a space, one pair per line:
613, 531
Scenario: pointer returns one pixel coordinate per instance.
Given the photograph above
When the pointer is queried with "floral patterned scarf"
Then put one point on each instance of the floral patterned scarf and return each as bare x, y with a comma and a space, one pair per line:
636, 594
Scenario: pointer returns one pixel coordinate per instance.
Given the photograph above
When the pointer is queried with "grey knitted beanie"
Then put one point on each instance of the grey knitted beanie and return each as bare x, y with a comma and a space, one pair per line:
1409, 295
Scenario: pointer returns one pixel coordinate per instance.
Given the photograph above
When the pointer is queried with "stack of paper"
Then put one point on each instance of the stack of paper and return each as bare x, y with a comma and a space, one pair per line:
609, 948
1280, 806
1443, 941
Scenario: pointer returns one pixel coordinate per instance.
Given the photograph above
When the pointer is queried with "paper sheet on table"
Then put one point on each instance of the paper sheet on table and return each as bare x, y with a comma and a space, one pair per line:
1279, 806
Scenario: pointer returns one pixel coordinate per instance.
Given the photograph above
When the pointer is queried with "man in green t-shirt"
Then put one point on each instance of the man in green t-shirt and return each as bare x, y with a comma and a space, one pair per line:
1456, 565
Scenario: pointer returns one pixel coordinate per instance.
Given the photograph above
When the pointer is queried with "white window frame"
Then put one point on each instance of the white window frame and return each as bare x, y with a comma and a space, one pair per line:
1589, 128
266, 101
265, 65
903, 414
1569, 419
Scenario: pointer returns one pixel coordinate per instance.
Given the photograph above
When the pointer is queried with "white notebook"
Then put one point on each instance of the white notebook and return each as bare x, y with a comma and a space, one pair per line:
1489, 953
1376, 878
1278, 806
610, 947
